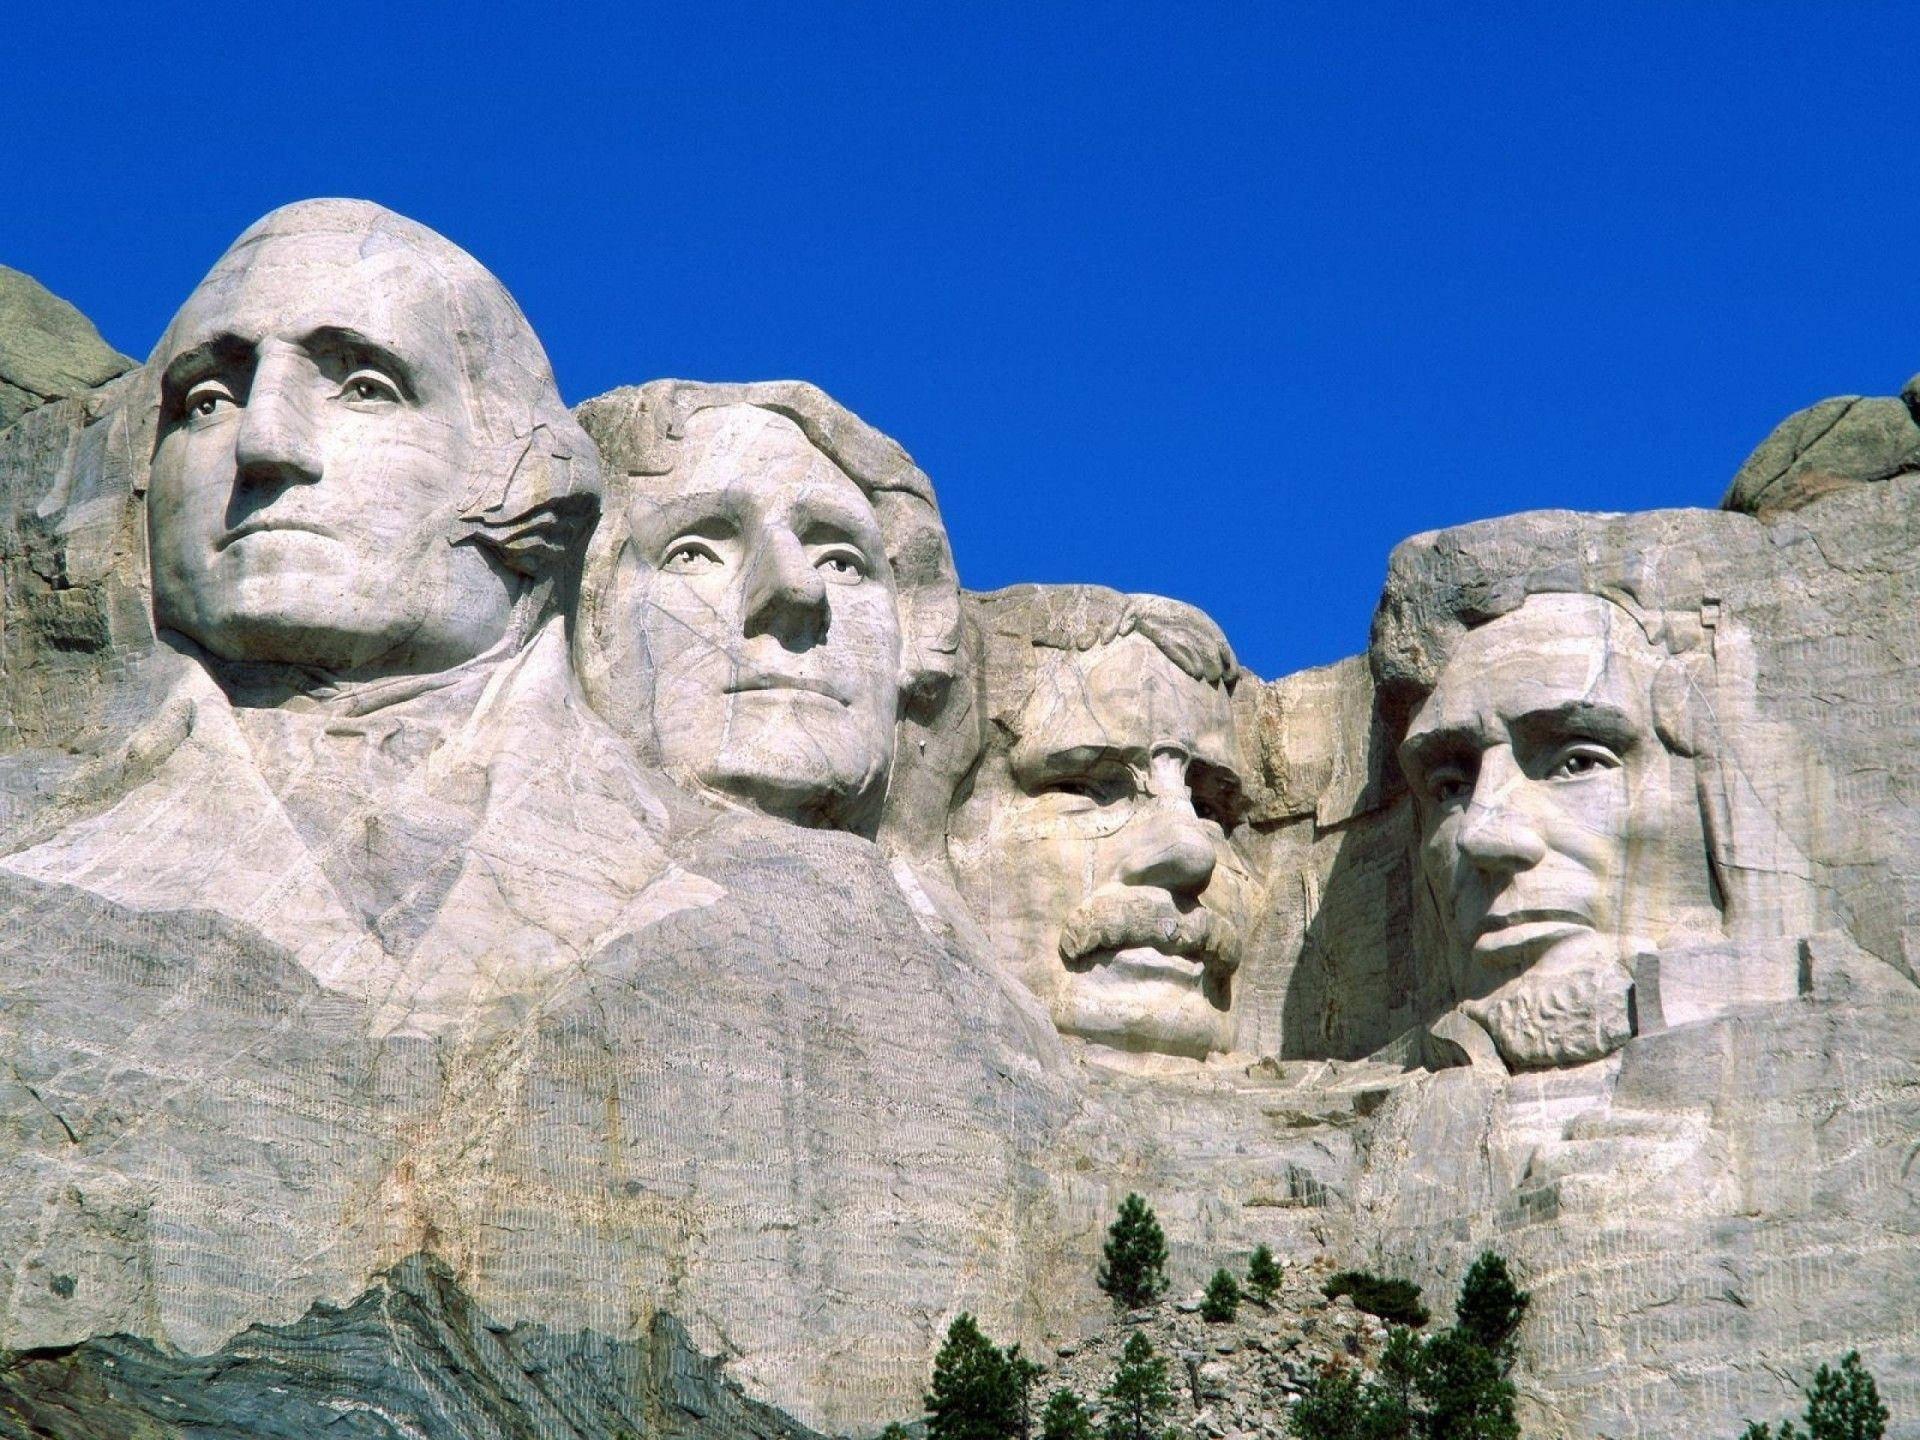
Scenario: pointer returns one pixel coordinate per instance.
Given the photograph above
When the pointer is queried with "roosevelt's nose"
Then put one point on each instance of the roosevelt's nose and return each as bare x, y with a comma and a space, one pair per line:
278, 444
1171, 849
1498, 836
785, 595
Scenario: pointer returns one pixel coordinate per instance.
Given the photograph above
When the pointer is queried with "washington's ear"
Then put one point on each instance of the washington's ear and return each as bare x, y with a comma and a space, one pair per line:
539, 520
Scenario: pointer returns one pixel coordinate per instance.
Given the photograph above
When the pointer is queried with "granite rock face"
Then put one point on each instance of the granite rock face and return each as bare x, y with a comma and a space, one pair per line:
502, 902
48, 349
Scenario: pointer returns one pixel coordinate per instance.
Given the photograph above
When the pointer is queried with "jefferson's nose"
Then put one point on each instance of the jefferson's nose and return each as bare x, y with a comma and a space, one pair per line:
1498, 836
785, 596
1171, 850
277, 444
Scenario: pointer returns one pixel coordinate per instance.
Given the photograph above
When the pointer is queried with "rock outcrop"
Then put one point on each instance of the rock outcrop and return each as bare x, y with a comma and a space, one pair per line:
502, 902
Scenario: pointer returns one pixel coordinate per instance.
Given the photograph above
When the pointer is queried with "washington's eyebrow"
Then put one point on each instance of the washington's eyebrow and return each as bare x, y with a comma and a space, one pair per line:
1577, 719
353, 345
216, 352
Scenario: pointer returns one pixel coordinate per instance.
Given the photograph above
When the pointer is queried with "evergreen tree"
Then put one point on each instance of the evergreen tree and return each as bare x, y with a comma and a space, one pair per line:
1066, 1418
1464, 1390
894, 1431
1842, 1404
1222, 1302
1263, 1276
1139, 1394
1491, 1306
1135, 1268
1335, 1405
1022, 1373
975, 1395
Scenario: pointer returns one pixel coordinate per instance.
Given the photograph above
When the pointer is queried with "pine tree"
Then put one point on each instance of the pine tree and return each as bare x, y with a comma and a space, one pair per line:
1842, 1404
894, 1431
1066, 1418
1139, 1394
975, 1395
1263, 1276
1223, 1299
1335, 1405
1491, 1306
1022, 1373
1135, 1268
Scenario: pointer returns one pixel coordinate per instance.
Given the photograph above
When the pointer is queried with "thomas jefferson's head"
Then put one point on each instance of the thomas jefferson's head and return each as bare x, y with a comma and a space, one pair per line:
770, 592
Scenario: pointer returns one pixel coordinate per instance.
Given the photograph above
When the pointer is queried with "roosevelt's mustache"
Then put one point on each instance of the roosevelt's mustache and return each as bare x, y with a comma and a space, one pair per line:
1122, 921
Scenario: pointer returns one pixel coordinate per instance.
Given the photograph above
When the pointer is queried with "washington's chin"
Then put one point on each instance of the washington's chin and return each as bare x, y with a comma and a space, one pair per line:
1145, 1000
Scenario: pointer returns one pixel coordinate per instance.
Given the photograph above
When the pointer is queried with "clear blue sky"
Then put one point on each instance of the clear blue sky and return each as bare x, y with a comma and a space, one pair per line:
1218, 301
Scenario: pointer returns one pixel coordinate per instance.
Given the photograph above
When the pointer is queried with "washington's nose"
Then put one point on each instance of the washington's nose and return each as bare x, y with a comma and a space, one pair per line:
1172, 851
785, 595
1498, 836
277, 445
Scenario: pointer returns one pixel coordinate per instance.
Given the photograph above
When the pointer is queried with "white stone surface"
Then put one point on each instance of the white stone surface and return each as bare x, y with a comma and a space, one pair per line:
680, 908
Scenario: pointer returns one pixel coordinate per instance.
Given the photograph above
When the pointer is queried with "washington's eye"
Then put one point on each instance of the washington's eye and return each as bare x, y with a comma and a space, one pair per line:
369, 387
206, 400
842, 565
1578, 761
689, 557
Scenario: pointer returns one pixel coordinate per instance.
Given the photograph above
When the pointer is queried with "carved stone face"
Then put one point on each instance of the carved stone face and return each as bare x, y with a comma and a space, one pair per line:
1560, 836
758, 611
1095, 850
314, 446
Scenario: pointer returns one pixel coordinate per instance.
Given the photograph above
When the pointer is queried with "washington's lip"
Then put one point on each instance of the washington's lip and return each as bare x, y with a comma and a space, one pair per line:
763, 680
260, 525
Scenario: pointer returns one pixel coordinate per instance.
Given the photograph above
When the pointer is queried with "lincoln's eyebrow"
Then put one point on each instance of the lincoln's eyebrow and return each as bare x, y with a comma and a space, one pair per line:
1424, 749
1577, 720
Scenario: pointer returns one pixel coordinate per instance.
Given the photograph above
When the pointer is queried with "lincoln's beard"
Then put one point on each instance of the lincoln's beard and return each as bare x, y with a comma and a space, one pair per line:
1559, 1015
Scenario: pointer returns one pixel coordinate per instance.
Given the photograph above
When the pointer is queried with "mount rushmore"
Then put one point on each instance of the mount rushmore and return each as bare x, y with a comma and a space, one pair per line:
604, 856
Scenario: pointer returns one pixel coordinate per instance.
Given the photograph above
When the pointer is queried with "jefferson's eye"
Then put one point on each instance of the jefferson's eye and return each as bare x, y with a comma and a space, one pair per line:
369, 387
1577, 762
689, 557
844, 566
206, 400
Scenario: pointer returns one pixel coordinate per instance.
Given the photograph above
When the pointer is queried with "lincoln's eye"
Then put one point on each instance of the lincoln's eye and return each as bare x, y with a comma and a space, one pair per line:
1449, 785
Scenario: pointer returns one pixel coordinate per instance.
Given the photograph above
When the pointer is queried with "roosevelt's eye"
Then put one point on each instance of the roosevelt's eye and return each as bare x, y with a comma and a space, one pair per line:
845, 566
1097, 788
1576, 762
689, 557
207, 399
369, 387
